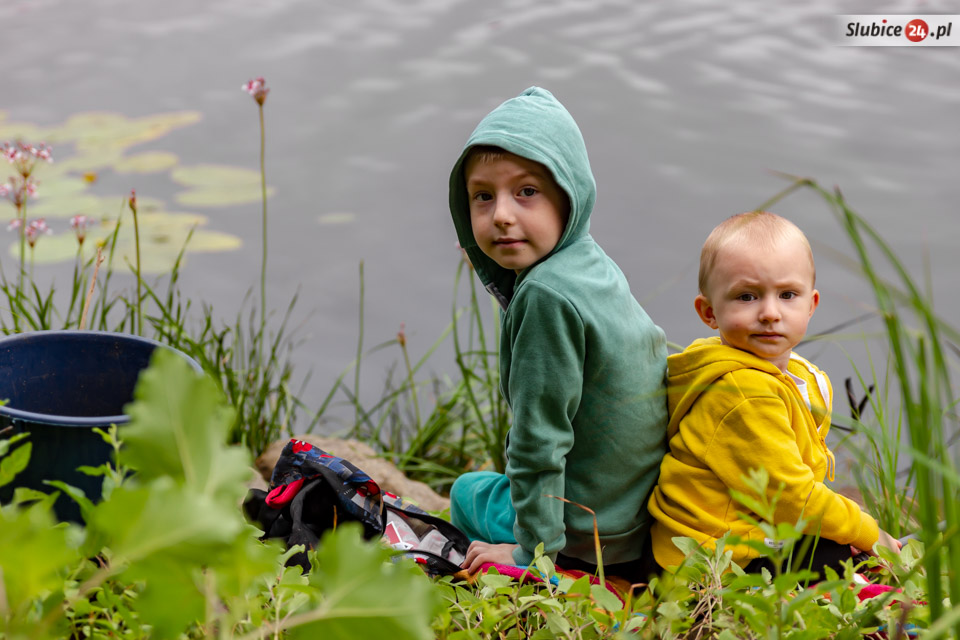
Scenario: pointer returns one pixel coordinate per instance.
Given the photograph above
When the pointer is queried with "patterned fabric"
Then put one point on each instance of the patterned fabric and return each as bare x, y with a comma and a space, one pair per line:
312, 491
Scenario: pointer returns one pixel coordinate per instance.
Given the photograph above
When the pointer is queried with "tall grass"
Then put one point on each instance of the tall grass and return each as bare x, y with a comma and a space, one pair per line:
919, 343
466, 427
252, 367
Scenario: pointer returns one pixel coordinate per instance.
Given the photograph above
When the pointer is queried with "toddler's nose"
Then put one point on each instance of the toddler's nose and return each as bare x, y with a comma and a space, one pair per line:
769, 311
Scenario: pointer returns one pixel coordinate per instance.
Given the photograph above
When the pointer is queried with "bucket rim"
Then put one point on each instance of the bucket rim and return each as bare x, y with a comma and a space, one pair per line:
54, 420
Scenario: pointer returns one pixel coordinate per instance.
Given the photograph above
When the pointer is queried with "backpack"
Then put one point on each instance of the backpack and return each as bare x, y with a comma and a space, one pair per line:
312, 491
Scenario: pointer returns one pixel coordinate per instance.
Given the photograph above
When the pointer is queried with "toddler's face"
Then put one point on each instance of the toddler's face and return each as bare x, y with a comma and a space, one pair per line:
761, 299
517, 211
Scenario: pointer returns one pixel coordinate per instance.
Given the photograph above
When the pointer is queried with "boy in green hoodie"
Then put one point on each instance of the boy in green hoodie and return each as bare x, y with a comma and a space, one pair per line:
744, 400
581, 364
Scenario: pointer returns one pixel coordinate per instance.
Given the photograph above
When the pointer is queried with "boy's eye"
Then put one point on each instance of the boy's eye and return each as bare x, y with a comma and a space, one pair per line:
528, 192
482, 196
788, 295
746, 297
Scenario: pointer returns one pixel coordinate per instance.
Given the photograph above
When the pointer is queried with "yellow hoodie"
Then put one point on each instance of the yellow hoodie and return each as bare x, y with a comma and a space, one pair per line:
731, 411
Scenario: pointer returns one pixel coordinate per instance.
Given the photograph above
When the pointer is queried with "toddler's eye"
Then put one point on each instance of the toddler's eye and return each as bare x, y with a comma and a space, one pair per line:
528, 192
746, 297
788, 295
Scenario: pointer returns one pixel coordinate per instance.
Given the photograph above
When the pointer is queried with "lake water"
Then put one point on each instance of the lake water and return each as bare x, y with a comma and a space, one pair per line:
687, 108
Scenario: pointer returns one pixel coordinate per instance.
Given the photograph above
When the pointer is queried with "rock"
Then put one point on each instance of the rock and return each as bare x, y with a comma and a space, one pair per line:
385, 473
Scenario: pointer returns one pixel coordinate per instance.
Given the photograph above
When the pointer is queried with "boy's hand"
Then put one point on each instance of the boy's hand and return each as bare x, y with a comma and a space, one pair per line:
483, 552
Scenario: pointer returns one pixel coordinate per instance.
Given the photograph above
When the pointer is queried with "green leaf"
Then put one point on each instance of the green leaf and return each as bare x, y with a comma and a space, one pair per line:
23, 495
168, 519
6, 444
604, 598
171, 600
34, 555
364, 595
77, 495
178, 426
495, 580
688, 546
14, 462
580, 587
671, 610
557, 623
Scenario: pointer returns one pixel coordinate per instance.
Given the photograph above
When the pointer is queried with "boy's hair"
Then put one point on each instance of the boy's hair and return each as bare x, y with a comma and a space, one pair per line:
748, 228
485, 153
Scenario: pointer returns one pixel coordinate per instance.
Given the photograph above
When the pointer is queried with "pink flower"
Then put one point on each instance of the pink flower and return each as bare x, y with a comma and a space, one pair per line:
25, 156
79, 224
14, 224
258, 89
17, 190
402, 335
133, 200
35, 229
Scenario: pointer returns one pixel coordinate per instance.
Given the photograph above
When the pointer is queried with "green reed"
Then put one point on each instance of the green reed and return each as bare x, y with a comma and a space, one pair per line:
466, 426
918, 341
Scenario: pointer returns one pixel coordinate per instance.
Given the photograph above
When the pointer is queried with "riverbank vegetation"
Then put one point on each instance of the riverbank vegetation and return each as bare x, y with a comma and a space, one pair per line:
167, 554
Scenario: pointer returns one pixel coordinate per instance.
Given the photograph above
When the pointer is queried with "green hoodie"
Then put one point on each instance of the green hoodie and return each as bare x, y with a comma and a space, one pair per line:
581, 364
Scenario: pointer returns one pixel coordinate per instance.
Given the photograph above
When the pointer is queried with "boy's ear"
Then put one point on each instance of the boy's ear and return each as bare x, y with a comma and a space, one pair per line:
705, 311
814, 301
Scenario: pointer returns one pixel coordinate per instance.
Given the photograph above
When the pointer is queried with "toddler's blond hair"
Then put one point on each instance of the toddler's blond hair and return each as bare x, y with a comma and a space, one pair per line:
745, 230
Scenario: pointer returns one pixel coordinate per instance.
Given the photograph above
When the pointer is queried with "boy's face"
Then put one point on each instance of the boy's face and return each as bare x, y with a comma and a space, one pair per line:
517, 211
761, 299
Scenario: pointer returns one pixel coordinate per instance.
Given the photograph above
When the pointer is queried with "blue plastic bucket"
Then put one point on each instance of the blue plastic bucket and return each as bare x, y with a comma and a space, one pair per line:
59, 386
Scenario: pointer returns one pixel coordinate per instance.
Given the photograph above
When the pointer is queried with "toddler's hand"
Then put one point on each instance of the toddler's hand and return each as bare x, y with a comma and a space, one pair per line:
888, 541
483, 552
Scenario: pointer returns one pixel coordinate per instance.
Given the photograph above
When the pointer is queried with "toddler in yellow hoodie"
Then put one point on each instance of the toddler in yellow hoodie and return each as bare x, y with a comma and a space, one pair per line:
744, 400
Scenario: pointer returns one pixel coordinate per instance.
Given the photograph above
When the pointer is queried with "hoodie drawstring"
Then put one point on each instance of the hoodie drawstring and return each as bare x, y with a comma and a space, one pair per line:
831, 461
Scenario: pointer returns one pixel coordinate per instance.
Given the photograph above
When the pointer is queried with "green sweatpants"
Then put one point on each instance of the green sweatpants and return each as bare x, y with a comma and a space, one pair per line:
480, 506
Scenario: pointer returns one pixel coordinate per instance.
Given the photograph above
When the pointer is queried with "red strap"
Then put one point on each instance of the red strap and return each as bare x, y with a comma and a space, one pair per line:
283, 494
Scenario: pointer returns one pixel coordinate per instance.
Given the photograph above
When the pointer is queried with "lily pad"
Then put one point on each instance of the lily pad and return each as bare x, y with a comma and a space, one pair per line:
217, 185
26, 131
162, 236
220, 197
68, 205
95, 131
215, 175
336, 218
80, 164
148, 162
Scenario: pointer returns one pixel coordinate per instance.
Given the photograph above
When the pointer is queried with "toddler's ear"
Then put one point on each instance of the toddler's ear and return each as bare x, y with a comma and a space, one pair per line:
705, 311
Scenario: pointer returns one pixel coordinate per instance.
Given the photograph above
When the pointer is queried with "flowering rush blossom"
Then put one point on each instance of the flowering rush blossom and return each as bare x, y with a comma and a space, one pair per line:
24, 156
14, 224
17, 190
36, 228
79, 224
258, 89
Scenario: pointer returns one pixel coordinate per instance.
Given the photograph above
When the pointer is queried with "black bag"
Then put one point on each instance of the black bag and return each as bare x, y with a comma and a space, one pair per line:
312, 491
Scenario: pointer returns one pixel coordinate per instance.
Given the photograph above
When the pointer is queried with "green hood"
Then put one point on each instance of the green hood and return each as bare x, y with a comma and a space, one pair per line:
535, 126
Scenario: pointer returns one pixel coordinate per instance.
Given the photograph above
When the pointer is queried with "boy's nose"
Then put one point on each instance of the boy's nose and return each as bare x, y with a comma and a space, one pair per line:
503, 214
